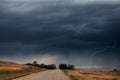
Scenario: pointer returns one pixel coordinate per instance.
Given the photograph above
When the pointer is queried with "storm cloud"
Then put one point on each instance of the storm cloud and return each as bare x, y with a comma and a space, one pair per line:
60, 28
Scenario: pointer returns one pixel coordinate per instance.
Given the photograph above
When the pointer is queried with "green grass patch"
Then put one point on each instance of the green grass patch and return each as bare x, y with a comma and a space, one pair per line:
71, 76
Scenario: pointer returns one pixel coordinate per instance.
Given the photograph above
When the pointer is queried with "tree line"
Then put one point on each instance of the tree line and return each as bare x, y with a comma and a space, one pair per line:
51, 66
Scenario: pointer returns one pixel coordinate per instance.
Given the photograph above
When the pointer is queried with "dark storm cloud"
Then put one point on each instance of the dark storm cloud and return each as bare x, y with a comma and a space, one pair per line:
64, 29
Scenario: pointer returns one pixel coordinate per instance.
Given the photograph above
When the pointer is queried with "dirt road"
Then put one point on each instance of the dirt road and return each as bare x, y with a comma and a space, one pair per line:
46, 75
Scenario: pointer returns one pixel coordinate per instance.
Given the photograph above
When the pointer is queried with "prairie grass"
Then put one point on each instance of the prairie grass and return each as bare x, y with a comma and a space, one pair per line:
72, 77
11, 74
93, 75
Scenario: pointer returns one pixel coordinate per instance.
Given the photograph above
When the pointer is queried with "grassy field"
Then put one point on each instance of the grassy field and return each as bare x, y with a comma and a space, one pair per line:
93, 75
72, 77
10, 70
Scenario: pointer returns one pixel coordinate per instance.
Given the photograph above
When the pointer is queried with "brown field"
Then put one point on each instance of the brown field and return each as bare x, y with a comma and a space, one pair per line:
10, 70
94, 75
13, 67
4, 65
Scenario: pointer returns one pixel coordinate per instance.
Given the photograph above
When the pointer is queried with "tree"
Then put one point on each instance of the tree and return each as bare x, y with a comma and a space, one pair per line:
63, 66
35, 63
71, 67
115, 70
43, 66
28, 64
51, 66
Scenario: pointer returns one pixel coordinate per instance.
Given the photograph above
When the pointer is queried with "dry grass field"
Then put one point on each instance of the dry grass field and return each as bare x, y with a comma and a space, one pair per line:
10, 70
5, 65
94, 75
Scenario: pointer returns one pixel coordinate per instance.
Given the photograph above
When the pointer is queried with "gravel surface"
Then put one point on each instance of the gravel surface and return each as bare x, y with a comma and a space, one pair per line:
46, 75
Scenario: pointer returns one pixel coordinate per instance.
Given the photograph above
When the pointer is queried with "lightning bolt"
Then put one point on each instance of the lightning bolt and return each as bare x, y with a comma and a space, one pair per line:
97, 52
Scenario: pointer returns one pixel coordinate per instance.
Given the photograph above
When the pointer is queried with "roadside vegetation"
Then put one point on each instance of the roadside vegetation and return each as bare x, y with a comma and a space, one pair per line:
51, 66
11, 74
10, 70
94, 75
72, 77
65, 66
36, 64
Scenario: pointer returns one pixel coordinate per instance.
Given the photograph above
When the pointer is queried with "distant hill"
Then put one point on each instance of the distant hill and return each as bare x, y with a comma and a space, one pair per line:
5, 65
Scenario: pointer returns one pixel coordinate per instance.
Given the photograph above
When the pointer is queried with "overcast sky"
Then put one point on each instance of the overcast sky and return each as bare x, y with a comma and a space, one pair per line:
60, 31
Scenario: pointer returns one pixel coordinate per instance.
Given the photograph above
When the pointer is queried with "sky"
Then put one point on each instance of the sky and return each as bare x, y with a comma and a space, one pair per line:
76, 32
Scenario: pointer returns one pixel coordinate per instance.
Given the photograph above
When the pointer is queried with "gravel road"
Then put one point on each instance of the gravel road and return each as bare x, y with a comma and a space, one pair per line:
46, 75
